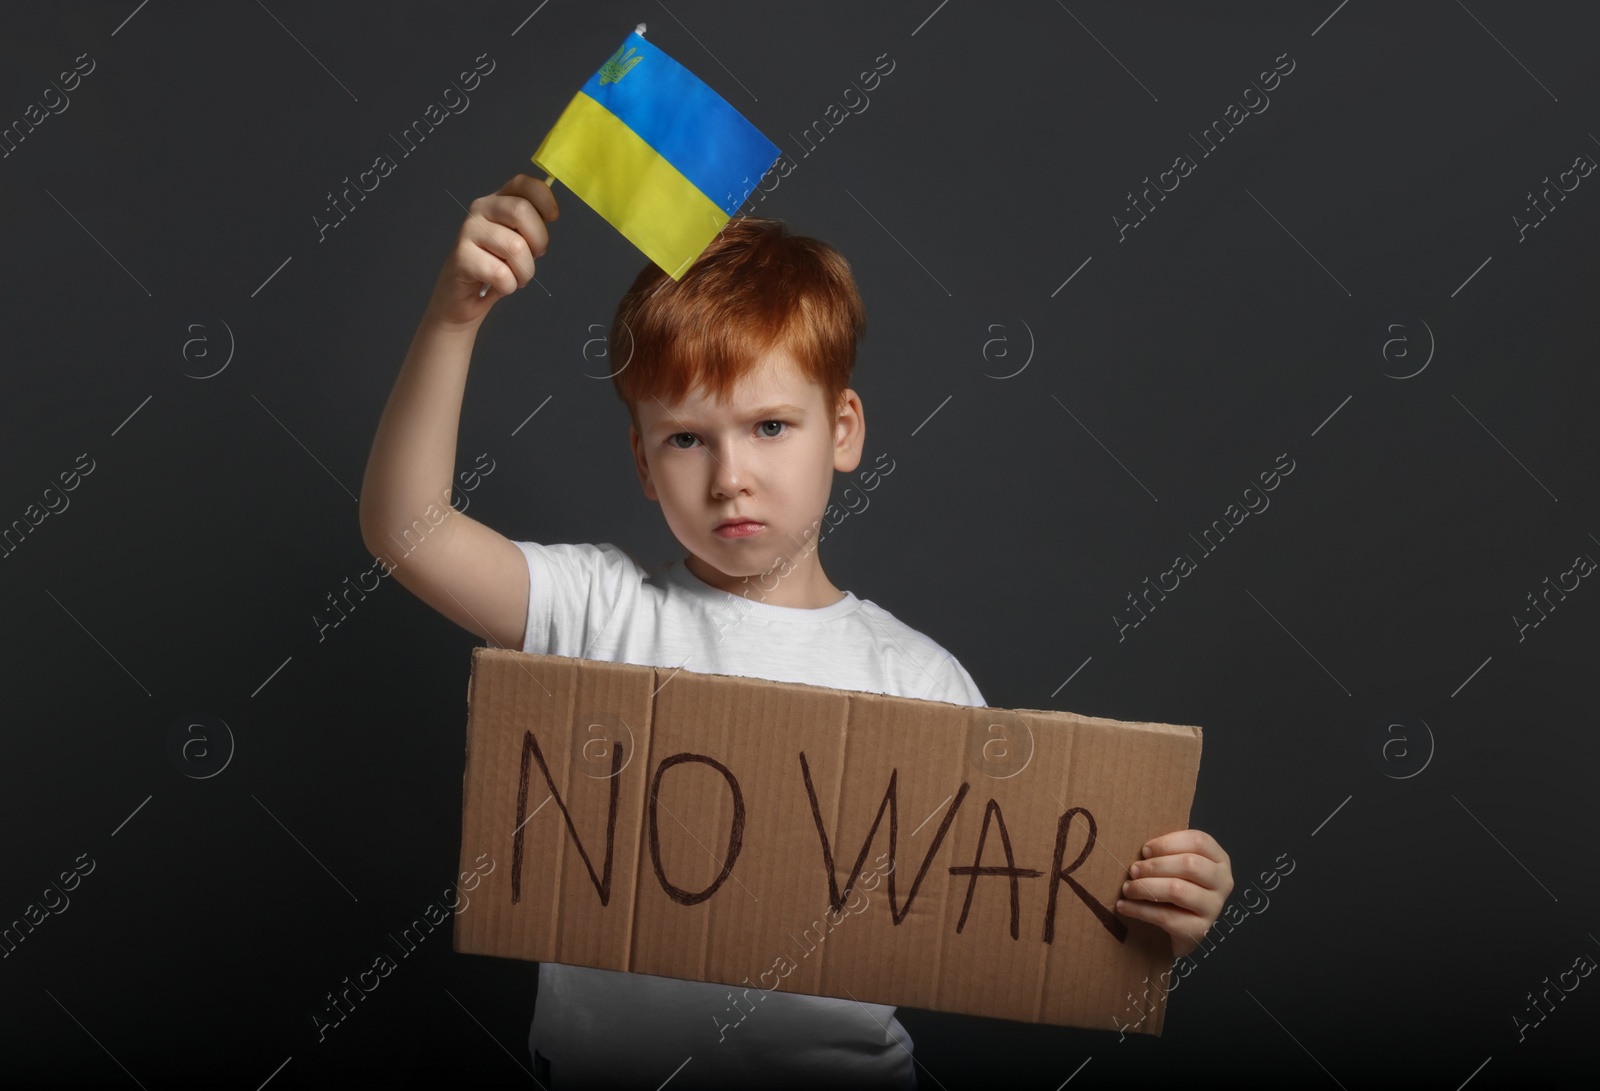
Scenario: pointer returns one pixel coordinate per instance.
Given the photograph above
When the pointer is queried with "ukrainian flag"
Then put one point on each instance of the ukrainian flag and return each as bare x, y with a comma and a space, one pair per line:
658, 154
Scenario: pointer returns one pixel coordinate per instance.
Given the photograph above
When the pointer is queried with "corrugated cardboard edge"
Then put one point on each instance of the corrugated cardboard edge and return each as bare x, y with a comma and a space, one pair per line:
473, 678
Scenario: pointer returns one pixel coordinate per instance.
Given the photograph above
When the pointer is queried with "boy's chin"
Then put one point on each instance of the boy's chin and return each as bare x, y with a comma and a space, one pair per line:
751, 569
728, 570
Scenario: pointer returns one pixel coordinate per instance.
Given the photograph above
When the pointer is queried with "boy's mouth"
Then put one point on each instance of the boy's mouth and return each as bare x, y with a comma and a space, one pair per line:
738, 528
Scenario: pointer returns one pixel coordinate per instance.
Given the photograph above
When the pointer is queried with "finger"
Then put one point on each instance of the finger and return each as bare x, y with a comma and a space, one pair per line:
535, 191
1197, 841
516, 214
511, 248
1182, 865
480, 266
1168, 918
1180, 892
1185, 928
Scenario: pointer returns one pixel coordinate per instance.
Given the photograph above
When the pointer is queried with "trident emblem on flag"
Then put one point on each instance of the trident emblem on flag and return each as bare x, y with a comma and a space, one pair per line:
619, 65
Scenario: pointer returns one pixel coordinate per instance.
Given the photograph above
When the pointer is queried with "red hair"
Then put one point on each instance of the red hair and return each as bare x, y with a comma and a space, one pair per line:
755, 288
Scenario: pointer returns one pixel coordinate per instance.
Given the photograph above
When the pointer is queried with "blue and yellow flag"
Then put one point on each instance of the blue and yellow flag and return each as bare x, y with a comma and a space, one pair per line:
658, 154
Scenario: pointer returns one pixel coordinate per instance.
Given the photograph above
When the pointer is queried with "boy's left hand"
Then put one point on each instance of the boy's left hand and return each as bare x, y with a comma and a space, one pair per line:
1180, 885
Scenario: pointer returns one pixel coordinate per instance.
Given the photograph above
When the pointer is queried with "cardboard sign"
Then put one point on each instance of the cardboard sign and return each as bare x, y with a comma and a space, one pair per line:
823, 841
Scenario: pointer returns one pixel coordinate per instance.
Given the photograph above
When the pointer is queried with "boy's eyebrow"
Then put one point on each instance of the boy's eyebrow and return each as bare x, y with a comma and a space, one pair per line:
765, 412
770, 410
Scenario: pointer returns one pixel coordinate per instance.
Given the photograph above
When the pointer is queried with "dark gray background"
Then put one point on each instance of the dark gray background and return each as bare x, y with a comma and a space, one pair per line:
1243, 320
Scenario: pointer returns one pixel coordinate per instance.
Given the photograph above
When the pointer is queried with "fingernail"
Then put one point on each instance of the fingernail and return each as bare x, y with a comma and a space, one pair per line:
1124, 888
1134, 871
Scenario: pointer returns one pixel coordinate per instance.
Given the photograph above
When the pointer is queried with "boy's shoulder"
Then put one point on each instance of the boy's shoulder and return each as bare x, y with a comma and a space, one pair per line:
605, 562
878, 616
948, 680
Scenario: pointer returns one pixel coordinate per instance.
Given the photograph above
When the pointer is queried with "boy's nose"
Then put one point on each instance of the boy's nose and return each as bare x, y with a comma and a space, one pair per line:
729, 474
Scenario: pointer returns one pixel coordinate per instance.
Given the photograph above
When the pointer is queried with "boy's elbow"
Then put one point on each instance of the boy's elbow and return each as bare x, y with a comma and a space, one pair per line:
373, 535
365, 521
372, 521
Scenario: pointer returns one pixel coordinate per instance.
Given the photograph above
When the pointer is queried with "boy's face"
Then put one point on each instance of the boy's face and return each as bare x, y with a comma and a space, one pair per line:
768, 456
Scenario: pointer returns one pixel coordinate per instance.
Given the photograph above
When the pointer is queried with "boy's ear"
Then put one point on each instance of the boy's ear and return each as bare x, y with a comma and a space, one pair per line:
849, 432
639, 463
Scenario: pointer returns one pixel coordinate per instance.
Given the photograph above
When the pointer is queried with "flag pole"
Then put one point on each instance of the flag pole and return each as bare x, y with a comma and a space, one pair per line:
550, 179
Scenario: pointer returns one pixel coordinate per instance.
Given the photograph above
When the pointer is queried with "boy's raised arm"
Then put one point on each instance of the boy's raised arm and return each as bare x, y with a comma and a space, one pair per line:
471, 574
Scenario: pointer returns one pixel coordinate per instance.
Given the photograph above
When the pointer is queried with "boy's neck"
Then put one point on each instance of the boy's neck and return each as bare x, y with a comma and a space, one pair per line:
806, 587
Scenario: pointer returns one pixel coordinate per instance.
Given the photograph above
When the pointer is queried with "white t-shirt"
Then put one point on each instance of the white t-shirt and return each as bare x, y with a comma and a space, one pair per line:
613, 1029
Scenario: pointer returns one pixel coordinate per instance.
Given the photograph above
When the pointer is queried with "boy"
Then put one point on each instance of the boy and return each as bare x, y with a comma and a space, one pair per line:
735, 380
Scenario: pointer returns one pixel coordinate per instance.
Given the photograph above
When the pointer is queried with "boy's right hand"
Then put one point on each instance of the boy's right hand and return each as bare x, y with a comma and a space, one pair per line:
502, 235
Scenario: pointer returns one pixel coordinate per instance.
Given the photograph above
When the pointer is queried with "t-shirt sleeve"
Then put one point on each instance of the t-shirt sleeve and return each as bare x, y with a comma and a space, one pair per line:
959, 688
575, 592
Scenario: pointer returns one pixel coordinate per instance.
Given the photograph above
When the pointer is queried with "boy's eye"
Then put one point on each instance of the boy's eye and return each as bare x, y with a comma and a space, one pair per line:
778, 429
